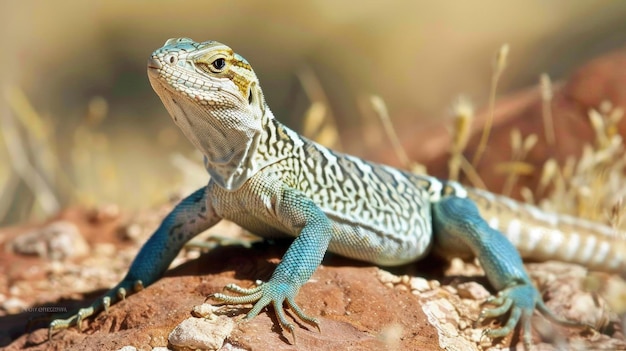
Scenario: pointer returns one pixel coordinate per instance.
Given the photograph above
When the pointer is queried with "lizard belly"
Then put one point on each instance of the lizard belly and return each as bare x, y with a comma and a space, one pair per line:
370, 244
252, 210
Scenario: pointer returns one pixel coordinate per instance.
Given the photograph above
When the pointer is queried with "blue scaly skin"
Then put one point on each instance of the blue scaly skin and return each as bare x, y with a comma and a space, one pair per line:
274, 182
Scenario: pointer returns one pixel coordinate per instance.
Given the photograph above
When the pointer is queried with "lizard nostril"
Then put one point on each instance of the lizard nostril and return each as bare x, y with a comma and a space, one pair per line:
153, 62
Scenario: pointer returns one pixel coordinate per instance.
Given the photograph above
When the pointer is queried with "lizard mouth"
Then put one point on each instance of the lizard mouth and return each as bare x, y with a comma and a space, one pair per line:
154, 63
154, 67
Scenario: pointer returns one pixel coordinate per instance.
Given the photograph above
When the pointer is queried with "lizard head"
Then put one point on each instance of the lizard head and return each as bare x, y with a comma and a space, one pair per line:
213, 95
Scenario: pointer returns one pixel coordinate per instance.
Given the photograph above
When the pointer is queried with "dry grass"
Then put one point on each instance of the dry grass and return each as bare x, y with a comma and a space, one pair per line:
381, 110
592, 185
499, 64
319, 122
588, 186
32, 158
463, 117
40, 179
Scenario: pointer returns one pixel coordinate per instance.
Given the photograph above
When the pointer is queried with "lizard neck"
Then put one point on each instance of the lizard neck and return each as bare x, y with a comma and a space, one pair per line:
254, 149
231, 158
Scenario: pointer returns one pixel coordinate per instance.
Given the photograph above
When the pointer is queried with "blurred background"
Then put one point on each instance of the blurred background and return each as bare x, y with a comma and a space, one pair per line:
80, 124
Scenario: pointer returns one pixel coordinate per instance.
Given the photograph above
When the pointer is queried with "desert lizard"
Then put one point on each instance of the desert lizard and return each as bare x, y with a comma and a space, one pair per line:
273, 182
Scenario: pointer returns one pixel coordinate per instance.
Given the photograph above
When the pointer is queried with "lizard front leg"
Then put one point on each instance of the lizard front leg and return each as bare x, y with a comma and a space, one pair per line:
302, 258
457, 223
189, 218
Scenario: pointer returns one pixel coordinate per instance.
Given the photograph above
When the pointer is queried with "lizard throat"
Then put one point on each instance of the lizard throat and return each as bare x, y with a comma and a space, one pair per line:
228, 145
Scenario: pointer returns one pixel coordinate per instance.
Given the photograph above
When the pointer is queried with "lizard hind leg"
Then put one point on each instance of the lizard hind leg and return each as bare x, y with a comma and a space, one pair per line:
457, 222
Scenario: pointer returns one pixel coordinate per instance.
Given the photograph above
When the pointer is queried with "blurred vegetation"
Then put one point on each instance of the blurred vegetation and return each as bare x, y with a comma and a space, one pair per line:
81, 125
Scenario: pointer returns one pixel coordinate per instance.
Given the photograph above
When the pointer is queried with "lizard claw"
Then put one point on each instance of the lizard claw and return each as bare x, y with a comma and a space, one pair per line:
520, 301
263, 295
77, 318
114, 295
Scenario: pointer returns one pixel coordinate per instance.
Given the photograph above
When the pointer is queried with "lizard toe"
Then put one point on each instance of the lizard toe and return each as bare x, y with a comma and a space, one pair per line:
268, 293
519, 301
102, 304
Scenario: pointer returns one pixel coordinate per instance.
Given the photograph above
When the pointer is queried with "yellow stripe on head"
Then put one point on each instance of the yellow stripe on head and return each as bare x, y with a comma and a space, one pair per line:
235, 67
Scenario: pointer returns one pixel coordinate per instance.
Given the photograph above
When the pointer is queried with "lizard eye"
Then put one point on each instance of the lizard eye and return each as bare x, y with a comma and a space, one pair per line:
214, 64
219, 64
171, 59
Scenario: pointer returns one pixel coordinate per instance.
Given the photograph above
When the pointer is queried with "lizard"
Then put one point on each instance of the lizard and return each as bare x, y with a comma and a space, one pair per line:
275, 183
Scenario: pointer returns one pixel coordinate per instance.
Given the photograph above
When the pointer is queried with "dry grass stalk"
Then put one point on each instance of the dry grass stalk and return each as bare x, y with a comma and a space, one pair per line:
517, 167
527, 195
592, 186
499, 65
463, 116
472, 175
546, 108
319, 122
317, 127
381, 111
19, 152
548, 174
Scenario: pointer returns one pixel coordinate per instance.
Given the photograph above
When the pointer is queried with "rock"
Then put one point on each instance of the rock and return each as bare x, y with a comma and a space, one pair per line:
419, 284
204, 311
201, 333
14, 305
56, 241
472, 290
442, 314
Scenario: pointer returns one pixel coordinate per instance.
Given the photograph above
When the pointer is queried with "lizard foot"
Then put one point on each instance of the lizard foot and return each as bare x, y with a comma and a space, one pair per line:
114, 295
520, 301
264, 294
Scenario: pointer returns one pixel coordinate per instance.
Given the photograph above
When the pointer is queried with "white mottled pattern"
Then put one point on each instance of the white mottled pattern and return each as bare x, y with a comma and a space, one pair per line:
601, 252
587, 249
550, 243
571, 246
494, 222
514, 232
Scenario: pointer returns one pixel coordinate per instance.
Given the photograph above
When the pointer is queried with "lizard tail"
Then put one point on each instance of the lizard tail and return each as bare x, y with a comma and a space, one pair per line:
539, 235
